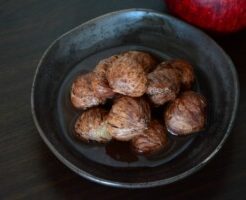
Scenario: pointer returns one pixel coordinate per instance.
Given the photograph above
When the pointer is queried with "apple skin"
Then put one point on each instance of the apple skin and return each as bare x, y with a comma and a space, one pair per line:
220, 16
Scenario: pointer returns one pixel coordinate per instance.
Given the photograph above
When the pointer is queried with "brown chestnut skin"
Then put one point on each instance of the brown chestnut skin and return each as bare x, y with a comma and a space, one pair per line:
92, 89
163, 84
127, 77
104, 64
146, 60
185, 71
91, 126
153, 140
82, 95
99, 81
128, 117
100, 86
186, 114
124, 73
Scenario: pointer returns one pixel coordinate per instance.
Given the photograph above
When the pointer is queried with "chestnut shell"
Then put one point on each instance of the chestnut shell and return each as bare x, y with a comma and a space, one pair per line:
82, 95
128, 117
104, 64
91, 126
100, 86
126, 76
146, 60
185, 71
99, 81
152, 141
186, 114
163, 84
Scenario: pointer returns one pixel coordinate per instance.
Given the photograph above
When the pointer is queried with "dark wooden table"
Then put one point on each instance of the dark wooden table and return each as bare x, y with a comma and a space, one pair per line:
28, 170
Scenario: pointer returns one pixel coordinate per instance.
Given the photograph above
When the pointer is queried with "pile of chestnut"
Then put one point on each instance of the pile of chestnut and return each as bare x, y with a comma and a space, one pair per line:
137, 82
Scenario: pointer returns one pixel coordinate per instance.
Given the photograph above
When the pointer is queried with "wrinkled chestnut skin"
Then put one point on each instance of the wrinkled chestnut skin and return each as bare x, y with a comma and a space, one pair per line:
187, 114
100, 86
147, 61
128, 117
152, 141
104, 64
185, 71
126, 76
163, 84
99, 81
91, 126
82, 94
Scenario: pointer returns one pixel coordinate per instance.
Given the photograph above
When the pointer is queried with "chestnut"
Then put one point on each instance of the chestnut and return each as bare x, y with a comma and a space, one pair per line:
185, 71
128, 117
100, 87
146, 60
163, 84
82, 95
152, 141
126, 76
104, 64
91, 126
186, 114
99, 81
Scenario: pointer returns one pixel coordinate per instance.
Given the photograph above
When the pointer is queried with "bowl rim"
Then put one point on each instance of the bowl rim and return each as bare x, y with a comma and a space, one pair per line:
149, 184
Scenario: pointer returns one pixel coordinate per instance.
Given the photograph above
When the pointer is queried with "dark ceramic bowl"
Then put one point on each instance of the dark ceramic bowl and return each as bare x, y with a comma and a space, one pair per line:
166, 37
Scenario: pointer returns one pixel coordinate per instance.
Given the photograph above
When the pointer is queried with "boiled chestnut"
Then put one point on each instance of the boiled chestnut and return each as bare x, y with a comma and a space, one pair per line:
153, 140
128, 117
104, 64
186, 114
100, 83
146, 60
126, 76
185, 71
163, 84
91, 126
82, 95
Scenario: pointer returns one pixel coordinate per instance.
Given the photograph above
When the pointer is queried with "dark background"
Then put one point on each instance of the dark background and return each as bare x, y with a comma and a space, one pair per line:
28, 170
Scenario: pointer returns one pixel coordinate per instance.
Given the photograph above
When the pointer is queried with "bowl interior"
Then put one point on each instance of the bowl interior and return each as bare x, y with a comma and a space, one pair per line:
81, 49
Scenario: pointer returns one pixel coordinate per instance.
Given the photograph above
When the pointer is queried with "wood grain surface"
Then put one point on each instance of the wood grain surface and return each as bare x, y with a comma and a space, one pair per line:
28, 170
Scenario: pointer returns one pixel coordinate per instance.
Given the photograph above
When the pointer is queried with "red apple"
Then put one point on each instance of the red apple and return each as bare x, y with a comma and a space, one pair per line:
223, 16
